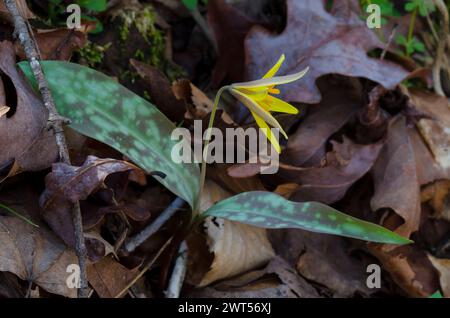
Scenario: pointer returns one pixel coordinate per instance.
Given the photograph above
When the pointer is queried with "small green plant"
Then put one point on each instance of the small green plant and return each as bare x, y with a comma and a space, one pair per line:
410, 42
57, 9
144, 21
102, 109
93, 53
193, 4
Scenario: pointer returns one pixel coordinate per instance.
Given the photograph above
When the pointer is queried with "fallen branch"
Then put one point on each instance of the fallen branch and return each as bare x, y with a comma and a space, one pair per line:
55, 123
178, 274
132, 243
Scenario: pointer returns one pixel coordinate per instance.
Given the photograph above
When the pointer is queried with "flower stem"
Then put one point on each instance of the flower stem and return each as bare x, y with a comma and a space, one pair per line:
205, 149
411, 31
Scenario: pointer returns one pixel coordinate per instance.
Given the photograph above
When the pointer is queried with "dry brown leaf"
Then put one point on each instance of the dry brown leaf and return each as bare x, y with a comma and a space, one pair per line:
438, 196
108, 277
435, 131
329, 42
343, 166
160, 91
56, 44
35, 255
236, 247
443, 267
396, 180
67, 184
277, 280
230, 27
23, 10
197, 103
409, 268
22, 135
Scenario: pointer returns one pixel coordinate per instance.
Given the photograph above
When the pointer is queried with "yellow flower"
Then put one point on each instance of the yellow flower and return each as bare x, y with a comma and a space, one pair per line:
255, 95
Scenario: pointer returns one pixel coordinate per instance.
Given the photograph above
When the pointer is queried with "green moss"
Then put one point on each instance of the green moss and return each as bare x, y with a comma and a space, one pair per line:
144, 21
93, 53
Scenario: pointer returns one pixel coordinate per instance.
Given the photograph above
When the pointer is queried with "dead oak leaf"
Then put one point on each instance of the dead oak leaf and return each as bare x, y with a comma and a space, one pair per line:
409, 267
277, 280
22, 134
328, 42
35, 255
109, 278
443, 267
396, 179
230, 27
67, 184
343, 166
435, 130
236, 247
56, 44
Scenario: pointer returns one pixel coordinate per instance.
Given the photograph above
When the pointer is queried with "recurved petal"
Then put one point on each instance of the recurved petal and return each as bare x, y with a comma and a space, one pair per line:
254, 107
266, 130
277, 105
271, 73
269, 82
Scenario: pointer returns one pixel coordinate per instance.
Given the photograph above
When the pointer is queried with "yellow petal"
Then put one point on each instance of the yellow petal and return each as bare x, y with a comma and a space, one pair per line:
269, 82
277, 105
253, 106
266, 130
256, 93
275, 68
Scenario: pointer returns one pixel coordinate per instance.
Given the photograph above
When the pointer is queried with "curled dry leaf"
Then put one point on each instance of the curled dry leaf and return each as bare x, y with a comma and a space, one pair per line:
108, 277
35, 255
328, 42
22, 136
160, 91
23, 10
409, 268
197, 103
237, 248
438, 196
395, 177
277, 280
340, 102
56, 44
443, 267
347, 163
230, 28
435, 131
330, 263
67, 184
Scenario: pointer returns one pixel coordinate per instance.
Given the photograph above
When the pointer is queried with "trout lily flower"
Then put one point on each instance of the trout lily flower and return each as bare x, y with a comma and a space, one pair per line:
256, 96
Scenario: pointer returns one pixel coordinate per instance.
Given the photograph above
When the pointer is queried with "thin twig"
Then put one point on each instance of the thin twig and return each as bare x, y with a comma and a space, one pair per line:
389, 43
204, 27
145, 269
178, 274
132, 243
440, 52
55, 123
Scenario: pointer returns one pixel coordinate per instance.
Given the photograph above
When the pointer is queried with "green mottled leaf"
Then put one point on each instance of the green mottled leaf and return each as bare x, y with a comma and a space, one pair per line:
190, 4
437, 294
102, 109
93, 5
269, 210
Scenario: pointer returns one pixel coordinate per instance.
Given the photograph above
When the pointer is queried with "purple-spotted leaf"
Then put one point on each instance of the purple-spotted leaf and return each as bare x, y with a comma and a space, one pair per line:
269, 210
102, 109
